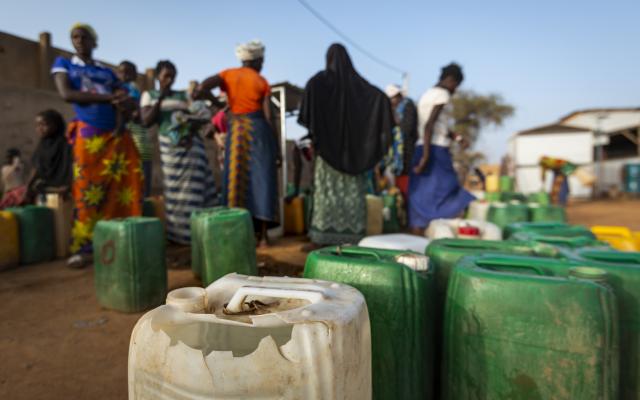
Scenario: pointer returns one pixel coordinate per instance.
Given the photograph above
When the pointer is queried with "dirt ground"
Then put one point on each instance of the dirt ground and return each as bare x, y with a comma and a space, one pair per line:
56, 342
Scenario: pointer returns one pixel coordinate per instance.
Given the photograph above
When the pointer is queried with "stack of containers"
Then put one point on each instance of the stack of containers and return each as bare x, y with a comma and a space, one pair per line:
37, 237
503, 214
632, 178
399, 288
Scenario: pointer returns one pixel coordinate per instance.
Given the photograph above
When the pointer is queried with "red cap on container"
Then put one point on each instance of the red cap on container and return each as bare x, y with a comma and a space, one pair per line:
469, 230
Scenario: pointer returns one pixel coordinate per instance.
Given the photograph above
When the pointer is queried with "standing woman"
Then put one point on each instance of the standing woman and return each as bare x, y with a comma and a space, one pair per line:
188, 180
350, 122
434, 190
107, 177
251, 151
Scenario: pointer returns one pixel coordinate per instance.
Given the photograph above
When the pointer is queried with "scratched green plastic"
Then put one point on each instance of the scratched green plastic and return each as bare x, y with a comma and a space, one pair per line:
564, 242
521, 328
130, 263
624, 270
400, 301
198, 219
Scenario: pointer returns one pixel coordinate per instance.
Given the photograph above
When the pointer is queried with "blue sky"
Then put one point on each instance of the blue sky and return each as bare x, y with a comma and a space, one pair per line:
547, 58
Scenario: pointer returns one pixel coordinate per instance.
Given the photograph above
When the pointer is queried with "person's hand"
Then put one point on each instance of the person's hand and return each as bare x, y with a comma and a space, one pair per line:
424, 161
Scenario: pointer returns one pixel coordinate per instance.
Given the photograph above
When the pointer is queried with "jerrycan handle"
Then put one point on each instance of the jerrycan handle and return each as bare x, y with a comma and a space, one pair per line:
236, 302
501, 263
356, 251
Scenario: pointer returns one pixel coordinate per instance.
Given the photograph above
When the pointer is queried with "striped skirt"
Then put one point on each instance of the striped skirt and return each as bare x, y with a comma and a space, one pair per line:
188, 185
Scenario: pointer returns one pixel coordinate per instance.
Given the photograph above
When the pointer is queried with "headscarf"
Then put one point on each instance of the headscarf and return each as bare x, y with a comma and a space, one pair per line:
52, 160
86, 27
349, 120
250, 51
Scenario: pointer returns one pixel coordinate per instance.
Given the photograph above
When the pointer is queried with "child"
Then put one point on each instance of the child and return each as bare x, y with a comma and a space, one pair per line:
127, 73
13, 180
52, 160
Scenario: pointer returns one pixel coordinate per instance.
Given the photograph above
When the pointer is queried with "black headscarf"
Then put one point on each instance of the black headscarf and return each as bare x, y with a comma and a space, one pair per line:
349, 119
52, 158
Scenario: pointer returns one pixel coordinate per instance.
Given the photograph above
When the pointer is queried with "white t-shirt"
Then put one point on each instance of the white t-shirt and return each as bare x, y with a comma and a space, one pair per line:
431, 98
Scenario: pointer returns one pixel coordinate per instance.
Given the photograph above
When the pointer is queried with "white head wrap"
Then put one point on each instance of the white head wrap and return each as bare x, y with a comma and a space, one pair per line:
250, 51
392, 90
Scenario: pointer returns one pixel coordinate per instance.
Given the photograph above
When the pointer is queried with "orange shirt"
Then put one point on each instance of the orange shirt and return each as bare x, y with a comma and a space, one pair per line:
245, 89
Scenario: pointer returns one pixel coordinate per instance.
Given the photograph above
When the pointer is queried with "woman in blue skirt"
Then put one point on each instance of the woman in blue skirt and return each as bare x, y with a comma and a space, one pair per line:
434, 189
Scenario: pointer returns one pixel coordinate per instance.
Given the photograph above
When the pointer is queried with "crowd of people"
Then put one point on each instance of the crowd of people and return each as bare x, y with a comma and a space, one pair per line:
102, 158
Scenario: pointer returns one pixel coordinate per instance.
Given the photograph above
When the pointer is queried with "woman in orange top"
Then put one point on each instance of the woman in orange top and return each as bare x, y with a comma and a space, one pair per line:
249, 179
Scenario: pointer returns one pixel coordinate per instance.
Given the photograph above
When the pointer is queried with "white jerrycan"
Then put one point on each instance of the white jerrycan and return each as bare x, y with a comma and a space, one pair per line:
254, 338
456, 228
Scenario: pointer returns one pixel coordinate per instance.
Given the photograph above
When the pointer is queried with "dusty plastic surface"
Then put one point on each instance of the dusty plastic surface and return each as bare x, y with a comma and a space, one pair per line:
503, 214
400, 300
294, 221
449, 228
130, 263
619, 237
547, 213
37, 241
391, 223
223, 242
62, 218
478, 210
396, 241
521, 328
549, 228
624, 271
375, 218
10, 243
306, 340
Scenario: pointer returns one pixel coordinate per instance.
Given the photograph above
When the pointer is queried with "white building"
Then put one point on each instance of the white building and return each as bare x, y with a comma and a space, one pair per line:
579, 137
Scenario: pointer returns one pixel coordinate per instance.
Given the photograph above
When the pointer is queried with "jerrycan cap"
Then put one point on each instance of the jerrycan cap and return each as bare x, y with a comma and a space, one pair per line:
588, 273
188, 299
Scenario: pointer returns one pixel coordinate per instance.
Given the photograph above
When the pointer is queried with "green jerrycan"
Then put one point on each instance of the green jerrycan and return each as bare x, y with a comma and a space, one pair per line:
197, 249
130, 263
503, 214
444, 254
508, 197
507, 183
223, 242
530, 328
548, 228
399, 289
624, 271
37, 241
548, 213
568, 243
390, 224
541, 198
